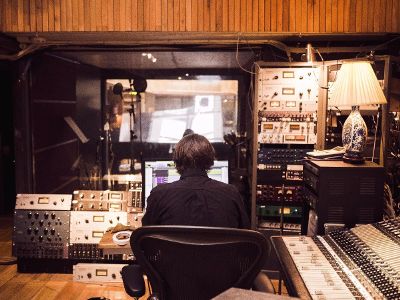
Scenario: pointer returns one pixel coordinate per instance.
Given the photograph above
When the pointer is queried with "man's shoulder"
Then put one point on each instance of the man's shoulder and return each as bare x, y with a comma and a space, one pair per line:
222, 185
165, 186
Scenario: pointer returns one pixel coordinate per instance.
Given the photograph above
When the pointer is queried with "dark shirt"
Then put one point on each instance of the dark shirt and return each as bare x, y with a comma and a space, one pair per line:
196, 200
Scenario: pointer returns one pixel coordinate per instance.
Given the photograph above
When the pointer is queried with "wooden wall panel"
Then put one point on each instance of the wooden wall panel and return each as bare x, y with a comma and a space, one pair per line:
395, 16
301, 16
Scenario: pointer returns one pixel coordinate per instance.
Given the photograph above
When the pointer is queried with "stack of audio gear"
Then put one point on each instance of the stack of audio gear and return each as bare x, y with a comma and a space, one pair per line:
360, 263
135, 207
41, 226
287, 101
287, 105
70, 227
94, 212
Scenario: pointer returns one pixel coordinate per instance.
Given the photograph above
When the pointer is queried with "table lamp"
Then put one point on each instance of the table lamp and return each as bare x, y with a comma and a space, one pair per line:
356, 84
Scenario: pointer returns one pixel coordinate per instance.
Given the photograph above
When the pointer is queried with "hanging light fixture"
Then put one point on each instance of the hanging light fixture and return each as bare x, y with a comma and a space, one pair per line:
356, 85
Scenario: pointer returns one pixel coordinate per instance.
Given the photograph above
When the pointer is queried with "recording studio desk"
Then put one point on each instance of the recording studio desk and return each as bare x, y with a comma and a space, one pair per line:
294, 284
359, 263
238, 294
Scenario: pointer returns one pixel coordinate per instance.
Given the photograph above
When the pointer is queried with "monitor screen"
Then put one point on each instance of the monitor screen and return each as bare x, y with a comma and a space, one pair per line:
163, 171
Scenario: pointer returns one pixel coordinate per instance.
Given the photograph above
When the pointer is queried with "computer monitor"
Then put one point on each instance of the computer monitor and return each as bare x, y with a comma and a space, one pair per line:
163, 171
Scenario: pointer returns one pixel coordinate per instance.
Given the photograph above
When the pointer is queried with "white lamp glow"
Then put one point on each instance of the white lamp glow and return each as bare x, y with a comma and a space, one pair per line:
356, 85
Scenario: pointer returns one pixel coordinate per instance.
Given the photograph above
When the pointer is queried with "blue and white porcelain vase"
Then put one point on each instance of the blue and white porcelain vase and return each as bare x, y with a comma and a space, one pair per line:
354, 136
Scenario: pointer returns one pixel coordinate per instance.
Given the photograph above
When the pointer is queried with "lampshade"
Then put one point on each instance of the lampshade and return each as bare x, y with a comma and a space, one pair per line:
356, 84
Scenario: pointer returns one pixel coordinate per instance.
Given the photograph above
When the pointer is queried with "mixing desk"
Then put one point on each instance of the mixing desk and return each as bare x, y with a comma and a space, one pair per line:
360, 263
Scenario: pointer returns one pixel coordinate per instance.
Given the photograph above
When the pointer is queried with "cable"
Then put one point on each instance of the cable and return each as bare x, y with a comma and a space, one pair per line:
375, 137
250, 94
319, 53
237, 55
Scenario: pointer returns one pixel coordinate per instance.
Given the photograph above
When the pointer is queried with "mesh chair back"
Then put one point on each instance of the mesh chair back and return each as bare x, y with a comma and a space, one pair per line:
185, 262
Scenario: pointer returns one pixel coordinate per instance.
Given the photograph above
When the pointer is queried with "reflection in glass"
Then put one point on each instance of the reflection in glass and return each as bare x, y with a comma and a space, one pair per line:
169, 107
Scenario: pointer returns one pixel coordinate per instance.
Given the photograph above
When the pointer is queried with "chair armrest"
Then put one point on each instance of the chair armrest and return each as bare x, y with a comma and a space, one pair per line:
132, 277
262, 283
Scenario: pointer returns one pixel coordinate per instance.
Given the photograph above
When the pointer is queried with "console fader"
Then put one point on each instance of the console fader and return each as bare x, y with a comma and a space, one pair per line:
360, 263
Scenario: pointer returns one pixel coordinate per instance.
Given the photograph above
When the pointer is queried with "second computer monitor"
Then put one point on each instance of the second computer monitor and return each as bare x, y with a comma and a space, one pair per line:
163, 171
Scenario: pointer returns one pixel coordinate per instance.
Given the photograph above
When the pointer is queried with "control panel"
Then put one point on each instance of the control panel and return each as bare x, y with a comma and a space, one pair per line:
288, 89
280, 156
41, 233
43, 201
89, 226
84, 251
272, 194
282, 128
135, 203
276, 211
97, 273
93, 200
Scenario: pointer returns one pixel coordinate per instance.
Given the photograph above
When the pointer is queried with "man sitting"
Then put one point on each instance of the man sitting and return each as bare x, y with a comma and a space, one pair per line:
195, 199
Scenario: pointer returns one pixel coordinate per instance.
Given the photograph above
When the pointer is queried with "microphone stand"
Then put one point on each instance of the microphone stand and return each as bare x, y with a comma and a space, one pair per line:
132, 137
139, 101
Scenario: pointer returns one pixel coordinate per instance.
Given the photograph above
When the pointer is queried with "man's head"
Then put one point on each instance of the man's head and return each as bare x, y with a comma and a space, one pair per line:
194, 151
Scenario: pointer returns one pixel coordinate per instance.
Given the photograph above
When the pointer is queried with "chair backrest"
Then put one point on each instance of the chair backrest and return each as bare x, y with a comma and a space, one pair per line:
187, 262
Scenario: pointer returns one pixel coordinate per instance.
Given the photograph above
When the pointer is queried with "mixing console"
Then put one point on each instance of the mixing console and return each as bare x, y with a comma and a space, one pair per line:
360, 263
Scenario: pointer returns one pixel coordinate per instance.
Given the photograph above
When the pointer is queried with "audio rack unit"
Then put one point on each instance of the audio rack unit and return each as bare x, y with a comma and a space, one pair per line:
97, 273
93, 200
41, 233
41, 226
43, 201
88, 227
338, 192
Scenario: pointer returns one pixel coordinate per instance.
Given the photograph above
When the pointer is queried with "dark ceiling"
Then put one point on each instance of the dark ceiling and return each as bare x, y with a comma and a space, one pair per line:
130, 60
124, 50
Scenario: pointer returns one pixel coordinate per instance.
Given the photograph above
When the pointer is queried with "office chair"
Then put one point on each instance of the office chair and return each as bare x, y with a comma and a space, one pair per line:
187, 262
